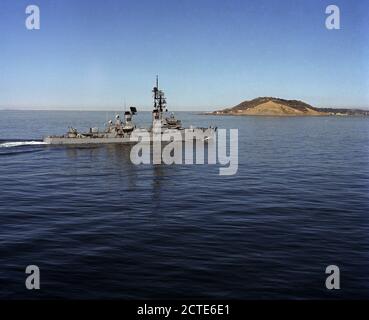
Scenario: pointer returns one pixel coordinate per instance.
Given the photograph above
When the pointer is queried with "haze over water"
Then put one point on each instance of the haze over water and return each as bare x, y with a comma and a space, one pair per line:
100, 227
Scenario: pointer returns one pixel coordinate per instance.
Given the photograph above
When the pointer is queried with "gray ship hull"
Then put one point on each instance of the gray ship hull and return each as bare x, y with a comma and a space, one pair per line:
63, 140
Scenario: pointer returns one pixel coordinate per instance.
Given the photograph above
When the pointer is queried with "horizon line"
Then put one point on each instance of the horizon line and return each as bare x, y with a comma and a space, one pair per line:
144, 109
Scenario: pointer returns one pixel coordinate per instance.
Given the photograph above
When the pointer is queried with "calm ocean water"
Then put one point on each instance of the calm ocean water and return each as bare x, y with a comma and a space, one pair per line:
100, 227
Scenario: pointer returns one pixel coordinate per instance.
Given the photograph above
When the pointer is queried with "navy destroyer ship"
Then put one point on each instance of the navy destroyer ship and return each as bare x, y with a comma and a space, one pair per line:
119, 131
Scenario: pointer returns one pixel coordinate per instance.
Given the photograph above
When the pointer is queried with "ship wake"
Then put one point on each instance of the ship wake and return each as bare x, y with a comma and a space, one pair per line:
13, 144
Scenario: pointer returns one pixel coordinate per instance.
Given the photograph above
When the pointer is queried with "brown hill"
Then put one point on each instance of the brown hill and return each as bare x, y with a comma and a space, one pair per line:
270, 106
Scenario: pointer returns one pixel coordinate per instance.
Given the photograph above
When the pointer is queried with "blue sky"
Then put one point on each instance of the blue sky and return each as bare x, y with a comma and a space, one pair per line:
94, 54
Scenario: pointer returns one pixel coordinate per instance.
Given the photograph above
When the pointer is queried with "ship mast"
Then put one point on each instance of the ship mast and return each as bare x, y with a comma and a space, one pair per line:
159, 102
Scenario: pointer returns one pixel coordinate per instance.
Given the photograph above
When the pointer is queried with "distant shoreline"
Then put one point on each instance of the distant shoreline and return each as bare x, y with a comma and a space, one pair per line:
283, 116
